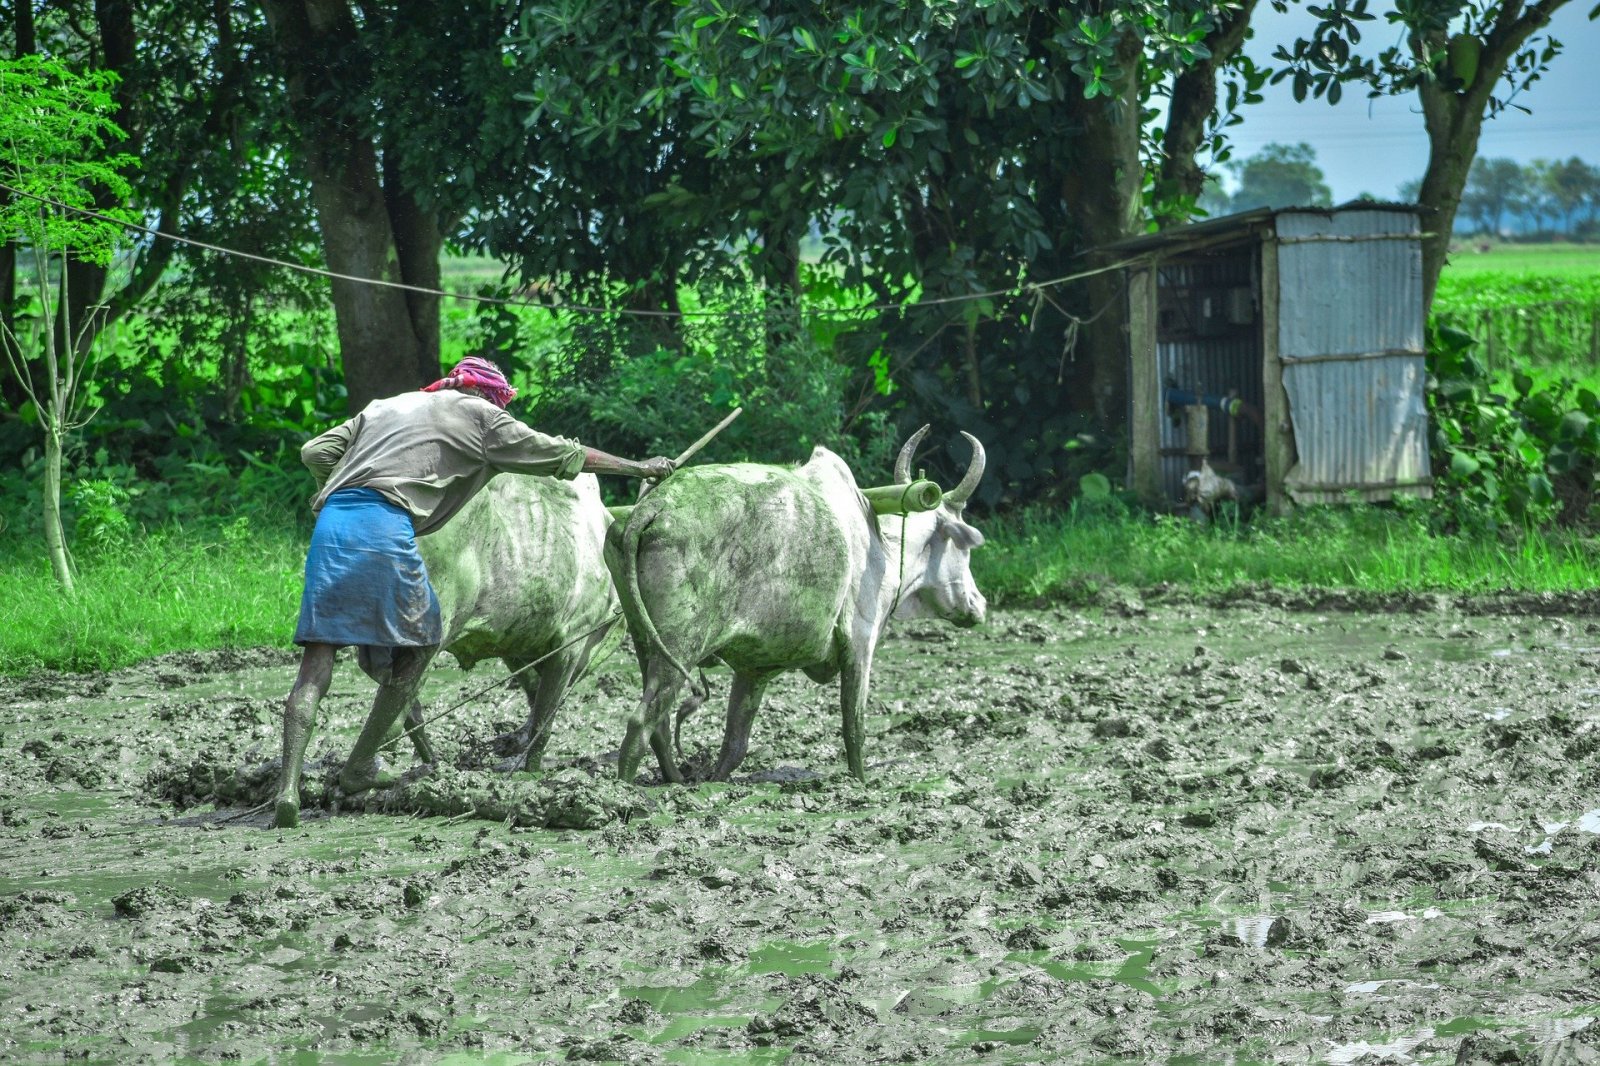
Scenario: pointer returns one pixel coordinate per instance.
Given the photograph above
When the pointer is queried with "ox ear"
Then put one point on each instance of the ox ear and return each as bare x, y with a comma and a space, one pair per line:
958, 496
902, 463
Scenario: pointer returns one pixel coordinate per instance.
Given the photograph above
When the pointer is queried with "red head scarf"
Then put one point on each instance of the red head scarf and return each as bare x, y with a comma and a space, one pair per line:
475, 373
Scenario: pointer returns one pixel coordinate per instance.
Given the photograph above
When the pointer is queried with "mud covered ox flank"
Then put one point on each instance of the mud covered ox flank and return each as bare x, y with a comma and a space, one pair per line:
520, 576
768, 569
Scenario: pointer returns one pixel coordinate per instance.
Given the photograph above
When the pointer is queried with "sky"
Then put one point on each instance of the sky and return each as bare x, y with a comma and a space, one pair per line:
1371, 146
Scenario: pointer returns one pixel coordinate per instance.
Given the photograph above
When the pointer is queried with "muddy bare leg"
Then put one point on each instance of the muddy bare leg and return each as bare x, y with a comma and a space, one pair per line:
299, 718
399, 675
419, 739
743, 703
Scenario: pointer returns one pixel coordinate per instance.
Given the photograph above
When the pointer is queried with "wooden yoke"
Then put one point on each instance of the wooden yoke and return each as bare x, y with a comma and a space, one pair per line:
906, 498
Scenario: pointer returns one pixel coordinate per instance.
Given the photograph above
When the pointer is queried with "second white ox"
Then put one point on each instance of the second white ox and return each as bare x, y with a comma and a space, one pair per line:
770, 568
520, 576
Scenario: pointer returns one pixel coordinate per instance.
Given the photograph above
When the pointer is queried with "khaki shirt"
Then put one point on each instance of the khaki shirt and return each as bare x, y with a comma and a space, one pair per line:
430, 452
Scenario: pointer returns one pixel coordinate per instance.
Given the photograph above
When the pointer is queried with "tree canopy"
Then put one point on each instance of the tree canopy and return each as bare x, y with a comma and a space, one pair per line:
900, 187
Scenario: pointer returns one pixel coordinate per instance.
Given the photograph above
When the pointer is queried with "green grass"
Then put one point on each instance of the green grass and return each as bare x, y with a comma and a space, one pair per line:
177, 591
1042, 556
1552, 260
166, 592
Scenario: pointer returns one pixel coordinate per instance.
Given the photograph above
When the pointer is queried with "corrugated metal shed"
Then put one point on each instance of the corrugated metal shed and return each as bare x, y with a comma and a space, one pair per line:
1301, 330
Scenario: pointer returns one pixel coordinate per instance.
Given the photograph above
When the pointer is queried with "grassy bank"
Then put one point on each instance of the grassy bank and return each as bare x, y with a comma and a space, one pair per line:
171, 592
164, 592
1052, 556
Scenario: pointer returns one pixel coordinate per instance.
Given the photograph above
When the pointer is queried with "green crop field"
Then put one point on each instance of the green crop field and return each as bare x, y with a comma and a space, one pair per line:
1550, 260
1533, 307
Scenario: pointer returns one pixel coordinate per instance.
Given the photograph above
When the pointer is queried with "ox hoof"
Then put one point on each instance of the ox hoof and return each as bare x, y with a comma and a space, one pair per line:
516, 764
287, 814
512, 745
355, 781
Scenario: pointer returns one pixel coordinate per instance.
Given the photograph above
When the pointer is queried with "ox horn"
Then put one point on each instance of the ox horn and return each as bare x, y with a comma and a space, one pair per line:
957, 497
902, 464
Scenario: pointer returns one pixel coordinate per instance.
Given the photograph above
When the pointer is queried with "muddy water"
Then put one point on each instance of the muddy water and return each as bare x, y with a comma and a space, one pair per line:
1170, 833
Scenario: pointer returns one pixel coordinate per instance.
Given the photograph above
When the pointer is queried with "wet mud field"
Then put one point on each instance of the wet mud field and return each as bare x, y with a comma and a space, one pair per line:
1153, 832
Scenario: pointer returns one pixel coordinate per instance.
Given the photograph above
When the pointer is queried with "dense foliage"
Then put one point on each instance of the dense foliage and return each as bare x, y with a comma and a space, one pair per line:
1526, 320
1525, 455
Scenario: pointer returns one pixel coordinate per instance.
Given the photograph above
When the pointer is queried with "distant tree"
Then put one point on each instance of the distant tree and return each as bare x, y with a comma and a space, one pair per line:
1571, 185
1280, 175
1465, 59
1537, 197
1493, 187
1409, 190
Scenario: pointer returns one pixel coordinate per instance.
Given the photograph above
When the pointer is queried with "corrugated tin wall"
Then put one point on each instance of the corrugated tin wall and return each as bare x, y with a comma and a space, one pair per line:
1351, 340
1228, 360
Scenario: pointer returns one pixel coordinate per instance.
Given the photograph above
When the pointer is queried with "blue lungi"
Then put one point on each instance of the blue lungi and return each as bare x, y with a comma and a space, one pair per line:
366, 583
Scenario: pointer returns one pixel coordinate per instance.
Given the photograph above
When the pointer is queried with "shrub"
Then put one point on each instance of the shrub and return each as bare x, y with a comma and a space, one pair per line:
1526, 456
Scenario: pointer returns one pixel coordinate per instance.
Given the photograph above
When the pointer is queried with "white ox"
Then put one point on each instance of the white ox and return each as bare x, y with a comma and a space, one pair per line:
770, 568
520, 576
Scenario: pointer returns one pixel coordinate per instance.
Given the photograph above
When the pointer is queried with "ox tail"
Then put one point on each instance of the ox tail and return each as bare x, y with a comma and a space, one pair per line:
645, 627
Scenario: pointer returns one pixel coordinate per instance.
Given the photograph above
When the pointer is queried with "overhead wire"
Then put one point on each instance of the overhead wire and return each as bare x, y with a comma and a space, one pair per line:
1020, 289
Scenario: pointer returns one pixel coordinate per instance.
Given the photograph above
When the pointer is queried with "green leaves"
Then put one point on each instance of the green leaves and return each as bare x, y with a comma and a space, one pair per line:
57, 144
1501, 458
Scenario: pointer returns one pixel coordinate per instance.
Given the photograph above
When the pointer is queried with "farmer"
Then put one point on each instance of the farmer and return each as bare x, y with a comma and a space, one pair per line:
398, 470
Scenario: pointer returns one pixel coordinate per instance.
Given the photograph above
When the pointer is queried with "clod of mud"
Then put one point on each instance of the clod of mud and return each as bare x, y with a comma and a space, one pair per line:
817, 1013
563, 799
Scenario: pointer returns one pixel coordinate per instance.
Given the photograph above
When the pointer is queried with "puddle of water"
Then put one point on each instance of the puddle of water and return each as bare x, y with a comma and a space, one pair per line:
1368, 988
460, 1058
1396, 1050
1132, 971
1390, 917
1256, 931
1027, 1034
1588, 822
788, 957
682, 1025
761, 1056
699, 998
1555, 1030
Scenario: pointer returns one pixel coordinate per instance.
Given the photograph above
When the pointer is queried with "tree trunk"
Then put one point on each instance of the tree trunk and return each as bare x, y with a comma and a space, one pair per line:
1101, 189
87, 281
1453, 123
1454, 118
12, 394
382, 349
55, 538
418, 242
1194, 100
